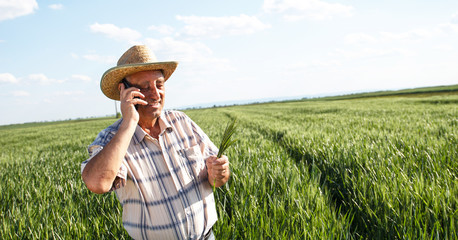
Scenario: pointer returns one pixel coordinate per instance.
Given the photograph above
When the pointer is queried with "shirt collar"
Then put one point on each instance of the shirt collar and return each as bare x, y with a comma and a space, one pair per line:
140, 134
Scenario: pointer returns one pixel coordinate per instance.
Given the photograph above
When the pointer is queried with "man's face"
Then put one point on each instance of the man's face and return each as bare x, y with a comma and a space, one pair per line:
151, 84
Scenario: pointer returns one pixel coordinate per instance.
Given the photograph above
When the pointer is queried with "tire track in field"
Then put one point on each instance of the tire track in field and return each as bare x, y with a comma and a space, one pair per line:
341, 191
276, 138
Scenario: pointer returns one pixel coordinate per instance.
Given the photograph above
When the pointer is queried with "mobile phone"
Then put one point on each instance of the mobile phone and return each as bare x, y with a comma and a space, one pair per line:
127, 85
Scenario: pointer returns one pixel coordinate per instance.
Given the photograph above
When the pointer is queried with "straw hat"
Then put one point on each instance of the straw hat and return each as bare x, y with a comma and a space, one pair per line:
136, 59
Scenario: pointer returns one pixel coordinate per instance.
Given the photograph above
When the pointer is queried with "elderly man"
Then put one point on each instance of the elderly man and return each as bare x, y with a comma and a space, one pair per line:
160, 163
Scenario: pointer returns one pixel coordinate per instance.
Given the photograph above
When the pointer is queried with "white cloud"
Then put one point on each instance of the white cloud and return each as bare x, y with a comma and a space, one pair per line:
449, 28
444, 47
101, 59
294, 10
195, 53
8, 78
162, 29
20, 93
370, 52
293, 18
407, 36
74, 56
83, 78
415, 34
178, 50
10, 9
115, 32
56, 6
69, 93
96, 58
454, 18
219, 26
313, 64
355, 38
43, 79
195, 58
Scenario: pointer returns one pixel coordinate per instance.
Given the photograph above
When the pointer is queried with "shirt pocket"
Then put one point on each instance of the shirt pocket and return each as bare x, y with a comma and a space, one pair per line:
194, 162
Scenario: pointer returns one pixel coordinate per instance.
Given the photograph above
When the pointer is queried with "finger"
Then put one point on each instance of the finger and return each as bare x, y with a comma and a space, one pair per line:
220, 166
124, 92
137, 94
121, 87
129, 95
219, 175
211, 159
221, 172
139, 101
219, 162
222, 159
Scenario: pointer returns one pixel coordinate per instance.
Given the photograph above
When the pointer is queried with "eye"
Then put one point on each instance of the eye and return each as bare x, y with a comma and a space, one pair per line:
160, 84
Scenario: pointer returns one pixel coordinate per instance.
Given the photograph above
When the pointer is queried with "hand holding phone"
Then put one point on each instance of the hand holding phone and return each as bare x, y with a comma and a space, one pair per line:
127, 85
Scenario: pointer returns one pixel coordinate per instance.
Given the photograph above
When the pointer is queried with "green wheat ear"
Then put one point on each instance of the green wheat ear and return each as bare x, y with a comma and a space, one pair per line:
226, 140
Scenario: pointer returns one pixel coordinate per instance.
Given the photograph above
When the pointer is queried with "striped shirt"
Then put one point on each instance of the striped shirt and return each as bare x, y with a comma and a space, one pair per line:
162, 184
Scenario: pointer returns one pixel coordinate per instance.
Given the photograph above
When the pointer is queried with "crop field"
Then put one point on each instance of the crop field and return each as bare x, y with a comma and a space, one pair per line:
362, 168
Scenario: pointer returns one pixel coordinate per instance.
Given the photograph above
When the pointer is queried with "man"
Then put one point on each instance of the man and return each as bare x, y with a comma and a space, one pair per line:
160, 163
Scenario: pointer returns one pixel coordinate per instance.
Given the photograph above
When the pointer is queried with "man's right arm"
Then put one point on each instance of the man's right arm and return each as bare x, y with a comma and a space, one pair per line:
100, 172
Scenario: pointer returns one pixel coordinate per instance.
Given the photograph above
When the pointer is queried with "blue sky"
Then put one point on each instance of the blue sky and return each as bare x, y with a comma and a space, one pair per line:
53, 53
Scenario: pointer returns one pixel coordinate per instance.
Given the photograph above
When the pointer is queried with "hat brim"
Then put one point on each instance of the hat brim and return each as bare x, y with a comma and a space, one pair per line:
113, 76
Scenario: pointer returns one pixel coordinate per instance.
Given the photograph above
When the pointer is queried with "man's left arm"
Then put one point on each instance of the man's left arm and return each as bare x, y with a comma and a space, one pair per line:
218, 170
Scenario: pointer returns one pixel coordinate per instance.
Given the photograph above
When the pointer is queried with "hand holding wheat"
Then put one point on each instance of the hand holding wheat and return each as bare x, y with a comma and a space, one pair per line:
218, 166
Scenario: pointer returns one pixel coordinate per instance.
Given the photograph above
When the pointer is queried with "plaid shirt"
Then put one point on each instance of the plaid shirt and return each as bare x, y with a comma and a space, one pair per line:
162, 183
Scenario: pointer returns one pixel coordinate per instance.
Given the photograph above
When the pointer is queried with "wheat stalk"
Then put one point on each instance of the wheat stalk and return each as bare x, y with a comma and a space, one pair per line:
226, 141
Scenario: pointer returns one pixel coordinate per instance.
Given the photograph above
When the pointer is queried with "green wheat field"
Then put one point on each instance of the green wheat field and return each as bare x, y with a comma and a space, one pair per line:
366, 166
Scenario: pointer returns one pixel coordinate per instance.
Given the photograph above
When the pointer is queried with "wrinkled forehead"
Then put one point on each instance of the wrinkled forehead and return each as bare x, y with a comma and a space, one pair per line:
152, 75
